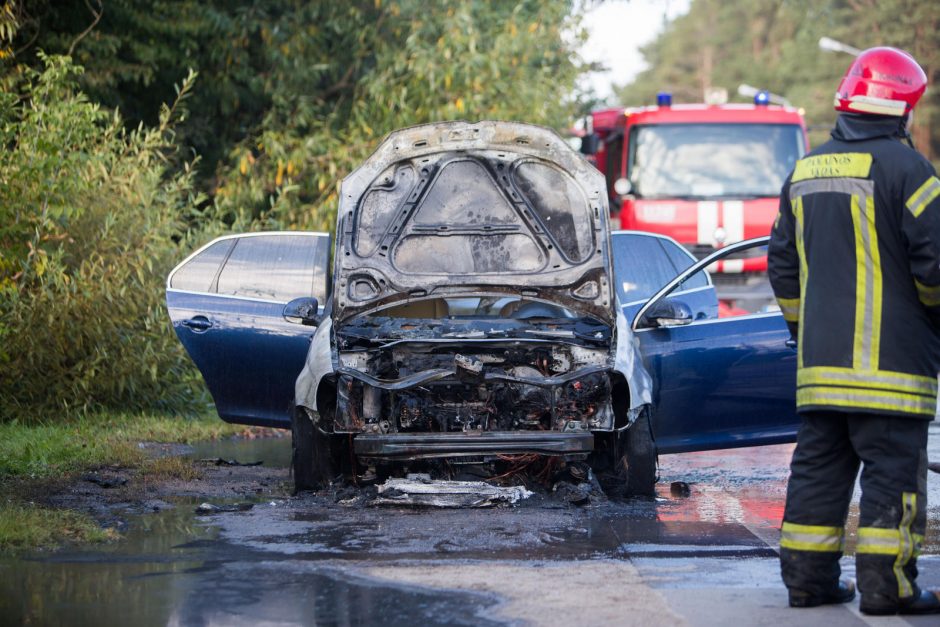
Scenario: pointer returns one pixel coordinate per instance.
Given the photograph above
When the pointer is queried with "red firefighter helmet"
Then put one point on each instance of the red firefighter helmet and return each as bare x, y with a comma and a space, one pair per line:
881, 81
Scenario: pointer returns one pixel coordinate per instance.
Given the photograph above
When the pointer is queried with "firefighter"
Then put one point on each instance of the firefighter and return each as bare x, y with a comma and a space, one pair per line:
854, 261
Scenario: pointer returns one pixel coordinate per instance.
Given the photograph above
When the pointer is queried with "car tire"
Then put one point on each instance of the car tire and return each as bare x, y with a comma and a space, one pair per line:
638, 457
625, 461
311, 457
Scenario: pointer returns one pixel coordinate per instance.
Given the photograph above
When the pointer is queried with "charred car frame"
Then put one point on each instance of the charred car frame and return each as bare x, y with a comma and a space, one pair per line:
473, 316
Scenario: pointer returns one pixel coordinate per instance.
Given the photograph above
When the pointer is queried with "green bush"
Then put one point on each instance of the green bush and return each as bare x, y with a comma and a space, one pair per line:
91, 220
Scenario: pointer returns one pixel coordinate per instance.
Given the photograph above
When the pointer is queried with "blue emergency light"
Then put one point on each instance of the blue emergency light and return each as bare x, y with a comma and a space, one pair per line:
762, 98
664, 99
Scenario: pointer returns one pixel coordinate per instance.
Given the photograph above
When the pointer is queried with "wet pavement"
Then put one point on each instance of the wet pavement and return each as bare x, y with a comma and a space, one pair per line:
708, 558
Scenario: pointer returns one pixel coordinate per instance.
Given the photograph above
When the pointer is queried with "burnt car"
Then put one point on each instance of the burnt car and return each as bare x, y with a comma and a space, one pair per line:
479, 310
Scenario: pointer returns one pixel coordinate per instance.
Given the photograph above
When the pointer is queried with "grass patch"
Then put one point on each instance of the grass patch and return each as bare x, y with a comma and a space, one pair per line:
35, 455
171, 468
25, 525
49, 449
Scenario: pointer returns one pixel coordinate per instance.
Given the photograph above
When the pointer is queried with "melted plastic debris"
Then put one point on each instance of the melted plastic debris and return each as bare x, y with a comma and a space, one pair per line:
209, 508
421, 491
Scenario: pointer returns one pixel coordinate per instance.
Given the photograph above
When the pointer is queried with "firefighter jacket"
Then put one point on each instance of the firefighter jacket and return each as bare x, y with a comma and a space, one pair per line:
854, 261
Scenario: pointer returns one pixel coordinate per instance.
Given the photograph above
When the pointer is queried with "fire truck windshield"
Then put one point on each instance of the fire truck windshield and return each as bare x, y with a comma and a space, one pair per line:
712, 160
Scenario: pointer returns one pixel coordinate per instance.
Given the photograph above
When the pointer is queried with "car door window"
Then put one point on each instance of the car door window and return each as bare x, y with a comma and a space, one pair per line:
752, 297
198, 274
682, 259
275, 267
641, 265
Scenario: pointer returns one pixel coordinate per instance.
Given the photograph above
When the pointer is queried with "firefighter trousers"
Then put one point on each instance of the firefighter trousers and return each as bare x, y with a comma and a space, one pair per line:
892, 513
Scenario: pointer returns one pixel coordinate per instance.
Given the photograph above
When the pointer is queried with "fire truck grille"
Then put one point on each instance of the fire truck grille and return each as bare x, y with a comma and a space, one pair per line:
723, 279
703, 250
700, 250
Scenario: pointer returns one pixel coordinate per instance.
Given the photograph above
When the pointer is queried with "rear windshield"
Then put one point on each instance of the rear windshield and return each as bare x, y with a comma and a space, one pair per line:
712, 160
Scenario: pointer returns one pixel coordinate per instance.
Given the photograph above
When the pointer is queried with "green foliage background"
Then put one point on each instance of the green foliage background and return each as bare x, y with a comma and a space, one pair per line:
103, 187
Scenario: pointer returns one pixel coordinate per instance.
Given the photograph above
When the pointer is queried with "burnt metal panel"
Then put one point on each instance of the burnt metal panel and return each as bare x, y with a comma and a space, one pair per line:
459, 208
404, 446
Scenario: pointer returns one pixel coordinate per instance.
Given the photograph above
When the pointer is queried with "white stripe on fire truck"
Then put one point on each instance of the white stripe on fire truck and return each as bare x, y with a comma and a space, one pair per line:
733, 221
707, 221
733, 265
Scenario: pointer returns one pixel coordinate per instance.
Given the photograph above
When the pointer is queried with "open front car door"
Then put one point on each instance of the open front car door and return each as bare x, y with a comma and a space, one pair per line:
245, 307
717, 382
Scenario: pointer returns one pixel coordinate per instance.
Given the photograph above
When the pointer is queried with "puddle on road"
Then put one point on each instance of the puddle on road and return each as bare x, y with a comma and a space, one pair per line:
274, 452
101, 585
172, 569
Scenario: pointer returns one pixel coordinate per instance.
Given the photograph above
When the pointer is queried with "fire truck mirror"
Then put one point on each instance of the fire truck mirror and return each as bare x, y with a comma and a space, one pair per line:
590, 144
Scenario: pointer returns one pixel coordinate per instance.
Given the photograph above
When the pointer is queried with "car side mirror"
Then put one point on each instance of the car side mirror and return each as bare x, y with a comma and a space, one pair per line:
590, 144
667, 313
304, 309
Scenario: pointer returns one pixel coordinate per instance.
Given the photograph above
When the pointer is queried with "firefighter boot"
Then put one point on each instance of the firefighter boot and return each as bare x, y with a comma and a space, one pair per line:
922, 602
842, 593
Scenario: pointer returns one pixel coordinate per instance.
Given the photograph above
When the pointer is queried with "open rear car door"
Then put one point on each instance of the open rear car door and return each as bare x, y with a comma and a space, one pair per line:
245, 307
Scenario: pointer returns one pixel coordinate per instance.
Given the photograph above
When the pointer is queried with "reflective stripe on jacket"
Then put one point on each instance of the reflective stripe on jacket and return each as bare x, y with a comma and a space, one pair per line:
854, 260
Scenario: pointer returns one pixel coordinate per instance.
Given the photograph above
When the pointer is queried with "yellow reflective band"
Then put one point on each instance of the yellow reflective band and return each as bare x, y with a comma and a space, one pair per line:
790, 308
868, 285
860, 398
860, 277
879, 379
909, 503
804, 274
878, 106
812, 538
878, 541
855, 165
924, 195
877, 282
929, 295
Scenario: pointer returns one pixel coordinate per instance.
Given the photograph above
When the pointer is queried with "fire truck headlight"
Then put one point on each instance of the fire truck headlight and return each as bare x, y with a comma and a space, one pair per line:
623, 186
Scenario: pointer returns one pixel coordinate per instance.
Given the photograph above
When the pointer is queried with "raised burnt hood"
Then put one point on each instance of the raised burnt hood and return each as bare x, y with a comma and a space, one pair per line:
455, 208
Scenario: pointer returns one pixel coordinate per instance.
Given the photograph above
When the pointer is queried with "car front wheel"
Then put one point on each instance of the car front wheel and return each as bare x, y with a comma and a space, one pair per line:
312, 457
625, 461
637, 449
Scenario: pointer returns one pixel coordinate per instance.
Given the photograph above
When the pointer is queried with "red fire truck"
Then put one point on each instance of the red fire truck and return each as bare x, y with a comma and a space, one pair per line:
705, 175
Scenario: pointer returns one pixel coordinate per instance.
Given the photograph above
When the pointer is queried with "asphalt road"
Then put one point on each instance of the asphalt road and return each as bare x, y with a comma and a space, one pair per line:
708, 558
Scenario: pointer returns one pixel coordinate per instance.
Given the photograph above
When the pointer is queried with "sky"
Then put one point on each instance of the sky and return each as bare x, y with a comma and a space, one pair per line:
616, 31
